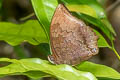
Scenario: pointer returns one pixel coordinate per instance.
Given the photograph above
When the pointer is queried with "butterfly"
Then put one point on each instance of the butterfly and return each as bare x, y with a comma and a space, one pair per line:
71, 40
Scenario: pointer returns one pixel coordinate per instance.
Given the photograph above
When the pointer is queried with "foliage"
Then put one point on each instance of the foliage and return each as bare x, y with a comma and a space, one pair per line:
101, 41
37, 68
97, 7
95, 22
38, 33
44, 68
98, 70
44, 10
14, 34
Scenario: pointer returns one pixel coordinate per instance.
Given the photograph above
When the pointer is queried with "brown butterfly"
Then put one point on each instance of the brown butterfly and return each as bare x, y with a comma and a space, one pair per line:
72, 41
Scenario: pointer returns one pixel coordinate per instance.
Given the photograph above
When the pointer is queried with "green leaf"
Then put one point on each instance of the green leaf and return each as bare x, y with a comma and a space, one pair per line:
93, 3
101, 15
36, 74
108, 25
8, 34
44, 10
99, 70
99, 78
30, 31
44, 68
44, 48
101, 40
95, 22
47, 14
82, 9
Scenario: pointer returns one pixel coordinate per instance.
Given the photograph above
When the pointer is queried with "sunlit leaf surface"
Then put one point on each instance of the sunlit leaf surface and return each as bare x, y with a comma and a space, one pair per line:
30, 31
44, 68
99, 70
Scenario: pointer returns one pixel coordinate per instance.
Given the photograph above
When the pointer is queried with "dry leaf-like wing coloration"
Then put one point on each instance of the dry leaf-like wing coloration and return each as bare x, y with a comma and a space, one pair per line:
72, 41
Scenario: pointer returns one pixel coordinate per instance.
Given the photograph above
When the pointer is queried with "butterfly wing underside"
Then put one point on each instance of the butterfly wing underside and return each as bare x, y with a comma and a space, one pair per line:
72, 41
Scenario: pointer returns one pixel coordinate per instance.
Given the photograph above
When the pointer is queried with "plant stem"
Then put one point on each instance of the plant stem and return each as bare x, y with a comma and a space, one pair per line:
113, 48
116, 53
27, 17
111, 7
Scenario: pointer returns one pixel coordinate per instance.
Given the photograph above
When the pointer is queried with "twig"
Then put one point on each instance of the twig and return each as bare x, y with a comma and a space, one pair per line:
116, 53
113, 48
27, 17
111, 7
